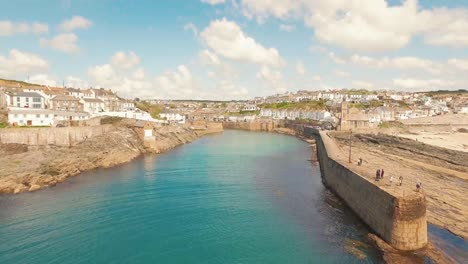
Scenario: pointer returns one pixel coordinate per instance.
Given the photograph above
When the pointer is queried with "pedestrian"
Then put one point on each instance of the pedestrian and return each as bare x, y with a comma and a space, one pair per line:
359, 163
417, 186
391, 180
382, 173
401, 180
377, 175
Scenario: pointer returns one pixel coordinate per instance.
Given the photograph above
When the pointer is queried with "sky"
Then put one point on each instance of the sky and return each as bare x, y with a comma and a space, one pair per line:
235, 49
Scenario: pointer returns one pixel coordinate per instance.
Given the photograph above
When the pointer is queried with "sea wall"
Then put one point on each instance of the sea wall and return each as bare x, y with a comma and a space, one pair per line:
400, 221
260, 125
58, 136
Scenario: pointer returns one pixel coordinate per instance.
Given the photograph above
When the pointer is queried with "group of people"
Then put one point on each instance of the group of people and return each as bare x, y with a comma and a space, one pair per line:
379, 175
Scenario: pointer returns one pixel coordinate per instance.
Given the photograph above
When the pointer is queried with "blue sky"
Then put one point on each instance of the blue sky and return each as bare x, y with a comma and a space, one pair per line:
215, 49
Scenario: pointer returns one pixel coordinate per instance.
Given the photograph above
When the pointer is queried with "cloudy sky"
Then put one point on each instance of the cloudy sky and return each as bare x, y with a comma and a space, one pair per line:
234, 49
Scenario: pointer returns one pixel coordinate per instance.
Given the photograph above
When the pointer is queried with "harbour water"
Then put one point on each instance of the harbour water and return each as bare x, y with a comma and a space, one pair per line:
235, 197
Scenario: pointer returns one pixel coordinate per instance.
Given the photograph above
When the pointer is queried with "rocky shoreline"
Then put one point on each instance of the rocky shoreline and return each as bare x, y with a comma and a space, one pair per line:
26, 168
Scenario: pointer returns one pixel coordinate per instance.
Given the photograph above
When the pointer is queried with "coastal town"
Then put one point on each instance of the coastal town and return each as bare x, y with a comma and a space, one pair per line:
24, 104
234, 131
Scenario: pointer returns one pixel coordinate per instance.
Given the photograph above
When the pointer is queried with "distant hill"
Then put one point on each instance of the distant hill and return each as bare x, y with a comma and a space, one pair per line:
14, 83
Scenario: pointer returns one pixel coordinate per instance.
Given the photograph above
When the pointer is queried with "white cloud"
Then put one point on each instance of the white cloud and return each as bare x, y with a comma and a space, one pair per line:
213, 2
102, 74
461, 64
423, 84
300, 68
177, 84
76, 82
342, 73
125, 60
8, 28
404, 64
42, 79
272, 78
126, 84
286, 28
63, 42
229, 90
316, 78
190, 26
261, 9
363, 85
208, 58
18, 63
227, 39
76, 22
39, 28
368, 25
139, 74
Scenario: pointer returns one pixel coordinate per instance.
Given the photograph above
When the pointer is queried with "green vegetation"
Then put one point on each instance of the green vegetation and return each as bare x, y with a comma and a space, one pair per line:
360, 91
19, 82
370, 104
390, 124
257, 112
3, 125
309, 105
440, 92
110, 120
153, 109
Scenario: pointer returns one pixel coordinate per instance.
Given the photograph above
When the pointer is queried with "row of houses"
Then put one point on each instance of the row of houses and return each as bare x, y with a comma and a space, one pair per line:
65, 102
296, 114
41, 106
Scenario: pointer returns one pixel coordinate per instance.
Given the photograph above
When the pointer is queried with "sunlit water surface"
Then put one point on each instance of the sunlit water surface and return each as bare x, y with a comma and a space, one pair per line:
235, 197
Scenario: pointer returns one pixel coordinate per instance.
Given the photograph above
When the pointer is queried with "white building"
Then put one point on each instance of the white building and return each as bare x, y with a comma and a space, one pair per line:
250, 107
27, 100
295, 114
92, 105
128, 106
42, 117
173, 117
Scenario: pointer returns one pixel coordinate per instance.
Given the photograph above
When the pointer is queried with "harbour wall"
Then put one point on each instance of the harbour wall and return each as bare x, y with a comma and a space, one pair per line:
58, 136
400, 221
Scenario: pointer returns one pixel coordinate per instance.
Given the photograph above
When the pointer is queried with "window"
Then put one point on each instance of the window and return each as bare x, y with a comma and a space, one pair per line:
36, 99
38, 115
17, 104
47, 115
17, 99
27, 99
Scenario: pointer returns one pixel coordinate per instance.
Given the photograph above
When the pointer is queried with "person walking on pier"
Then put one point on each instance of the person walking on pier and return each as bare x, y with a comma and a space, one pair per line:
377, 175
359, 163
401, 180
418, 185
382, 174
391, 179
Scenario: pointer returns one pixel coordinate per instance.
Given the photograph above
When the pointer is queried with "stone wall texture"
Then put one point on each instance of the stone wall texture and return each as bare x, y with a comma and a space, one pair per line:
58, 136
267, 125
400, 221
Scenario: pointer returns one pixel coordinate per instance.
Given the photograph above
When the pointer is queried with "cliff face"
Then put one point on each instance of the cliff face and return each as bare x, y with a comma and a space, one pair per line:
32, 167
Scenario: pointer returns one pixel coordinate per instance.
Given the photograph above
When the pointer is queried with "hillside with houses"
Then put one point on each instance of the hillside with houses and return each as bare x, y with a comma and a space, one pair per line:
35, 105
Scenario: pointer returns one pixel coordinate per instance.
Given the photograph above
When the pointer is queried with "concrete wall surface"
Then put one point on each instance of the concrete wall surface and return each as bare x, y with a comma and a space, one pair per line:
400, 221
59, 136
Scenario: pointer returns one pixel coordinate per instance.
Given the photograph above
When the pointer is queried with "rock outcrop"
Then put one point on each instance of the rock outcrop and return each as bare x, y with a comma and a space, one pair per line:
29, 167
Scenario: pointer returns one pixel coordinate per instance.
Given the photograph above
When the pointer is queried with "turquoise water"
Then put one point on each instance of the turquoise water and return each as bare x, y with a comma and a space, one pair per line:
236, 197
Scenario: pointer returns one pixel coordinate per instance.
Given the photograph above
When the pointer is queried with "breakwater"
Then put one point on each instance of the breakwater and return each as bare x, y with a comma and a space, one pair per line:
399, 220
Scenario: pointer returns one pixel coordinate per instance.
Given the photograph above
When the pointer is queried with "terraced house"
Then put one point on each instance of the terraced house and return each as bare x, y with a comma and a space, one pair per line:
27, 100
66, 103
